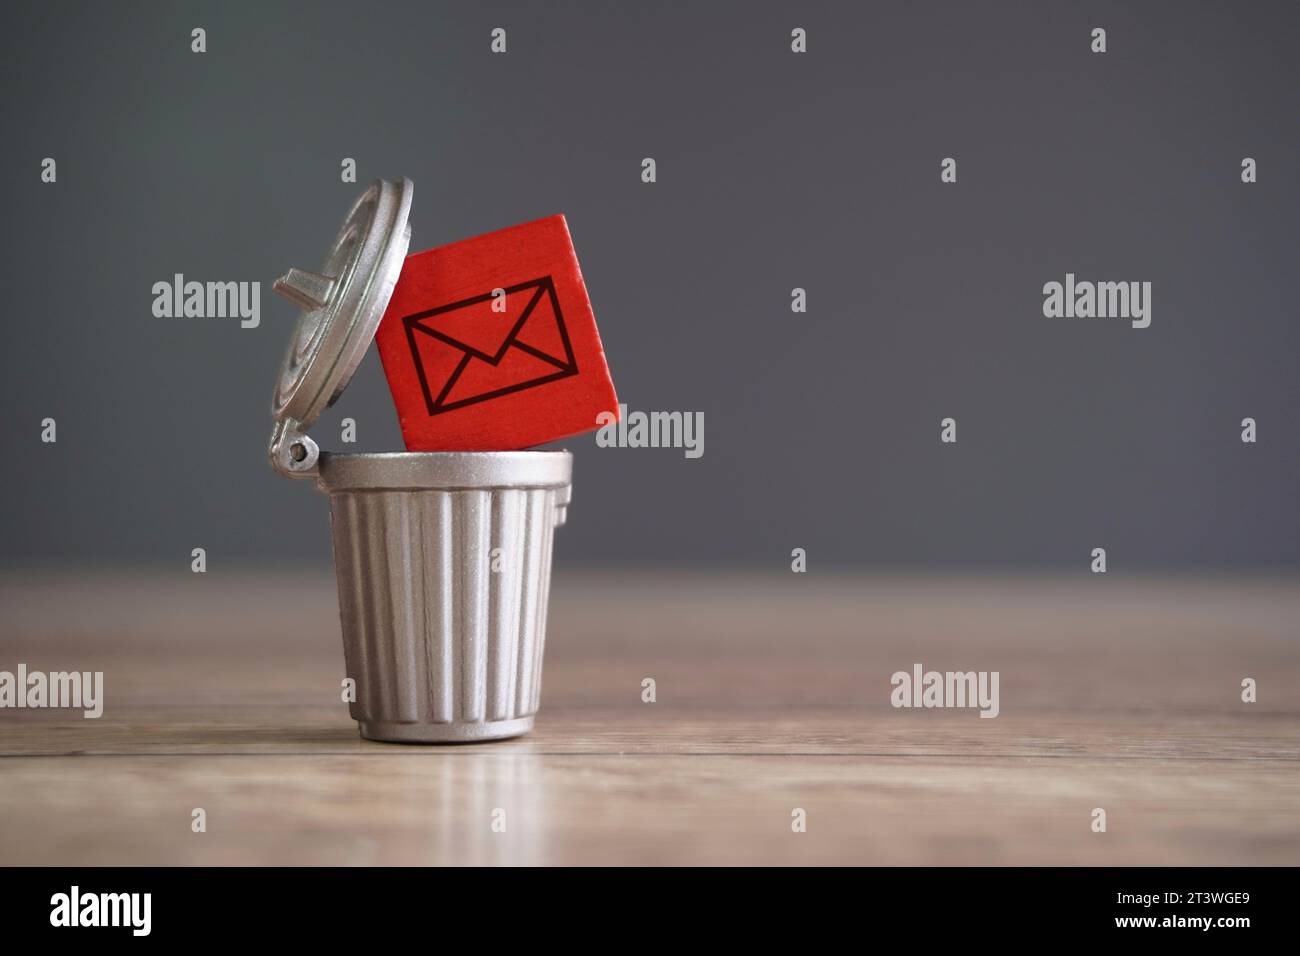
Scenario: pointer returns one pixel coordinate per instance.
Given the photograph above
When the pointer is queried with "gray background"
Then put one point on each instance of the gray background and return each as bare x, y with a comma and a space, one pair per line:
775, 171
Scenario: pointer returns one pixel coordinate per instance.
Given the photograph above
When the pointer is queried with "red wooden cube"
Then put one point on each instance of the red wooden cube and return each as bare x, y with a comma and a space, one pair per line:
490, 344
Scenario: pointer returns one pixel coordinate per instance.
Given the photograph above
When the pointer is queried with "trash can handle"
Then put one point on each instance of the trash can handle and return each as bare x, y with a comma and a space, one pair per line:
562, 498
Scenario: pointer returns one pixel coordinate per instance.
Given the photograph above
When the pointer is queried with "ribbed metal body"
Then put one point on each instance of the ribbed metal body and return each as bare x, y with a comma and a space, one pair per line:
443, 590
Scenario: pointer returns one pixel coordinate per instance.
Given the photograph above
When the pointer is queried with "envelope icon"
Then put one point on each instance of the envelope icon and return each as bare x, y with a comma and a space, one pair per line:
503, 341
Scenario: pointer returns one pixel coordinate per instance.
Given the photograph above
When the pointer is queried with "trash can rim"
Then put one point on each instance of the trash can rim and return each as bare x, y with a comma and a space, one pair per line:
444, 470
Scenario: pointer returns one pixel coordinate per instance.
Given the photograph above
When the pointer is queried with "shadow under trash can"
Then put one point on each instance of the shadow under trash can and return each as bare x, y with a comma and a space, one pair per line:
443, 558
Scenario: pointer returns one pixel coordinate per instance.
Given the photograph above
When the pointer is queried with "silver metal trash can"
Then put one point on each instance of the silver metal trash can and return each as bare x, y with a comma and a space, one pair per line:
443, 559
444, 565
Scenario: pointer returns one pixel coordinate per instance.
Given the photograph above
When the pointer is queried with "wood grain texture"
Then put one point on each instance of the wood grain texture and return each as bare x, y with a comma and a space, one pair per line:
773, 693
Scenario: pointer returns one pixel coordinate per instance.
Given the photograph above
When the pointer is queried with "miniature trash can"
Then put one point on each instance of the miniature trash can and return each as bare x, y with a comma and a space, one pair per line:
443, 558
444, 561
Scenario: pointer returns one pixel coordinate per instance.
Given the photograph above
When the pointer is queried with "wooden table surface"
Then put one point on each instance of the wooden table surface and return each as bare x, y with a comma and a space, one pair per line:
223, 693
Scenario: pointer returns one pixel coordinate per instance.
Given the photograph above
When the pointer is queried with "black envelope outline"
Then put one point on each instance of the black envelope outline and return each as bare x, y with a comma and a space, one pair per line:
437, 405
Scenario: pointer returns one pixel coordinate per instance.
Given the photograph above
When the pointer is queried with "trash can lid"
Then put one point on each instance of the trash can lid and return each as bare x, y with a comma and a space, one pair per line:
343, 303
